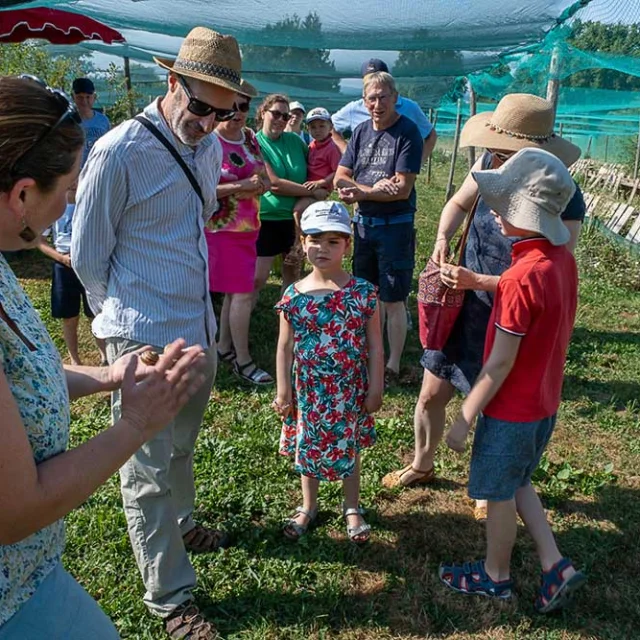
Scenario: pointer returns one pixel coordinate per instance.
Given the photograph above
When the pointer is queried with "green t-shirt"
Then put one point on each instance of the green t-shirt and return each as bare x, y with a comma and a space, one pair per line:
288, 158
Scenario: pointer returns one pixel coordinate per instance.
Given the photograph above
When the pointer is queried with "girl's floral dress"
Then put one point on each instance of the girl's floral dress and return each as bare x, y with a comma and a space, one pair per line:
328, 425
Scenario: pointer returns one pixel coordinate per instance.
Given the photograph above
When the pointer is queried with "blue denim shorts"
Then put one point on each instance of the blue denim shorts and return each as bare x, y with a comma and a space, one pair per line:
505, 455
385, 256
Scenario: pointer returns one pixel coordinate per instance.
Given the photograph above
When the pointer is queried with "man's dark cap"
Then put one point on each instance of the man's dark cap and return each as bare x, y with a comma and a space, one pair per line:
83, 85
372, 66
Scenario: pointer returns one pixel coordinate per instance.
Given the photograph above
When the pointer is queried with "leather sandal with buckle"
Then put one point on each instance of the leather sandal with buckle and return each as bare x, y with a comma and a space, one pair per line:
293, 530
420, 478
250, 372
361, 533
203, 540
187, 623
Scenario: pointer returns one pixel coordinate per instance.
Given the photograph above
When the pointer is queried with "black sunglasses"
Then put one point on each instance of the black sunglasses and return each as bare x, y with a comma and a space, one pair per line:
279, 114
202, 109
243, 106
70, 113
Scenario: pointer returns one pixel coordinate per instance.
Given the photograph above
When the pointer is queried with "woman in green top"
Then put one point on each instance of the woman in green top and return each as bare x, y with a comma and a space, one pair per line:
285, 156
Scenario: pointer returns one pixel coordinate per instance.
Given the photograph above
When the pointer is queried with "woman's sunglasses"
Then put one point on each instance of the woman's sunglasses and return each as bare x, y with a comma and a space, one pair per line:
277, 115
243, 107
202, 109
70, 113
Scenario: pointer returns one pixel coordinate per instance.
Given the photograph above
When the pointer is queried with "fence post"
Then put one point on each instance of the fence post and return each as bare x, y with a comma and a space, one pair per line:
454, 155
128, 86
472, 112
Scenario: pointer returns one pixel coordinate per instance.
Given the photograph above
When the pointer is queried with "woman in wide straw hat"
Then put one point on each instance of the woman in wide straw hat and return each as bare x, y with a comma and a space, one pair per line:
519, 121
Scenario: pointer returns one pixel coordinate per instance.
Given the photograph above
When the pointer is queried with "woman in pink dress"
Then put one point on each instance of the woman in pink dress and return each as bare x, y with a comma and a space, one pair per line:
231, 237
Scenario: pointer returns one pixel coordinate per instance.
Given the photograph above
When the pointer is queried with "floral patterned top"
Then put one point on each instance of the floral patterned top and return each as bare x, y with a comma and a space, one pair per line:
37, 382
328, 426
241, 159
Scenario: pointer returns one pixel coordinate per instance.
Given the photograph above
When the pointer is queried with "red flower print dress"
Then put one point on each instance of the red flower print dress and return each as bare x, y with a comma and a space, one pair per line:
328, 425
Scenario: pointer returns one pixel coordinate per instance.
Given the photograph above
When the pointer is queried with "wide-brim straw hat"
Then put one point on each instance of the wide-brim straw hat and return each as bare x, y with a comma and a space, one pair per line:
530, 190
519, 121
211, 57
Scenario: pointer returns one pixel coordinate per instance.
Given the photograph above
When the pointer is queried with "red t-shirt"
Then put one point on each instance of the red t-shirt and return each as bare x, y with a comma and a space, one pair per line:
536, 299
323, 160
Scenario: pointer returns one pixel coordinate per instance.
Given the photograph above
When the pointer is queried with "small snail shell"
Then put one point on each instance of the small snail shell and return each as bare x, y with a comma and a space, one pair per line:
150, 358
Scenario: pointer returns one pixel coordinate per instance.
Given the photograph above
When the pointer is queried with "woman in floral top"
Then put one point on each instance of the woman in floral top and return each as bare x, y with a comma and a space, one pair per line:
40, 482
330, 343
231, 234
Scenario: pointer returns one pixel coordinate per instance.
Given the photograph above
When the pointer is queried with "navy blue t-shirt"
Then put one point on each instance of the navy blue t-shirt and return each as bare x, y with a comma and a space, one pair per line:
373, 155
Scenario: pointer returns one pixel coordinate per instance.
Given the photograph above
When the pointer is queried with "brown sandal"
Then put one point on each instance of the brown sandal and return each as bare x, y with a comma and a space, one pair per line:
394, 479
203, 540
187, 623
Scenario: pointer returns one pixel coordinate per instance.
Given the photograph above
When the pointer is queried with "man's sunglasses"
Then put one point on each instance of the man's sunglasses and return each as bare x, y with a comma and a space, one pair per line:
243, 106
202, 109
277, 115
70, 113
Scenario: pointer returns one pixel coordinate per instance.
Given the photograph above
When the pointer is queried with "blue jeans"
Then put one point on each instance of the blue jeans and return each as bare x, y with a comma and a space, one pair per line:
60, 609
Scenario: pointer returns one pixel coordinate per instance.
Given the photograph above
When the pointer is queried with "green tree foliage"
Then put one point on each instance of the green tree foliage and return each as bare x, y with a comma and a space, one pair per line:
29, 57
598, 37
292, 66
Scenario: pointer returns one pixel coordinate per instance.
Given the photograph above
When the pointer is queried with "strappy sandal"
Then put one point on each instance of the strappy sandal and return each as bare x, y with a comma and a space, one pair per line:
255, 376
203, 540
555, 591
186, 622
391, 378
227, 356
394, 479
361, 533
293, 530
471, 578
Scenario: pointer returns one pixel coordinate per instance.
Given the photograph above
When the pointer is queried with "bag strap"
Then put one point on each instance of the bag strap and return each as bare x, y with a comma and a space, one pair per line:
462, 240
145, 122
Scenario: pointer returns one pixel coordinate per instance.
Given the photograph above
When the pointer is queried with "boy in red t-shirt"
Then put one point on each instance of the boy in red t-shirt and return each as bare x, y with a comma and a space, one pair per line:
517, 393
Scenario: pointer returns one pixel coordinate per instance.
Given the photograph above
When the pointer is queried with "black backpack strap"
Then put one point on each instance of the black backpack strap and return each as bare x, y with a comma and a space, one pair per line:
145, 122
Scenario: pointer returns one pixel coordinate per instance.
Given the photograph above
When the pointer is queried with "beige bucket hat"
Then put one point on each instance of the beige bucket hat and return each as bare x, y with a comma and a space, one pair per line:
530, 190
211, 57
520, 120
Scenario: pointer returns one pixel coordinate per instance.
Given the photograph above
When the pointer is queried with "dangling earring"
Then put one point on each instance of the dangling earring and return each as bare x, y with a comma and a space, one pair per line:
27, 233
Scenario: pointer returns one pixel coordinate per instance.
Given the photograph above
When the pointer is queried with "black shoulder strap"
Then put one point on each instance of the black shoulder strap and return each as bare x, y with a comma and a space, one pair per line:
145, 122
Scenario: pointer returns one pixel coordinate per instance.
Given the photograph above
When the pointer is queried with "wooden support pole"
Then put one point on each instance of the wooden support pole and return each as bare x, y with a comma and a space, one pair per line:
587, 153
454, 155
637, 163
128, 86
429, 158
472, 112
561, 129
553, 86
434, 122
606, 148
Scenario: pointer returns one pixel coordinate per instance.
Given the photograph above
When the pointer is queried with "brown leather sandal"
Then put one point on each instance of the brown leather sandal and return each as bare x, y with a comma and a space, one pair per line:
187, 623
394, 479
203, 540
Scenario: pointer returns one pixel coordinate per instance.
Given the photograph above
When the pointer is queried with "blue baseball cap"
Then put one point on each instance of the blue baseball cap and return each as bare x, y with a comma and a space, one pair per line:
372, 66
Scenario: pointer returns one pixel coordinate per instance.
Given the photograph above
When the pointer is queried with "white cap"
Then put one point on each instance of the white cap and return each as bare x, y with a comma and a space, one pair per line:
318, 113
530, 190
325, 215
296, 105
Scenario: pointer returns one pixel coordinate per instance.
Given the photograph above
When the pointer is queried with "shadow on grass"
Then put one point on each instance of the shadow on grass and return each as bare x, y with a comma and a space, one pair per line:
391, 584
29, 264
618, 393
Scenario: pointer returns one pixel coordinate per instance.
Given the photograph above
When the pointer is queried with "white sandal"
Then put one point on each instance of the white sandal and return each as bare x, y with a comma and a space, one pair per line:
363, 529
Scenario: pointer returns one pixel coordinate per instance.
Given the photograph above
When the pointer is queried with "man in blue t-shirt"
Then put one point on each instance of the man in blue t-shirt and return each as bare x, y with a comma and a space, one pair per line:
356, 112
378, 171
94, 123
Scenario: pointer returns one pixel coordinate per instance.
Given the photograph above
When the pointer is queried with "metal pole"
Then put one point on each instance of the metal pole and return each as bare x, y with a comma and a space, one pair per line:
454, 155
553, 85
472, 112
128, 86
561, 129
429, 158
434, 122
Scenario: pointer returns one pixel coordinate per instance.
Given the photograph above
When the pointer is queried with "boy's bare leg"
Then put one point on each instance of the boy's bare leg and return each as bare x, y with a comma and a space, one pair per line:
501, 536
70, 334
102, 348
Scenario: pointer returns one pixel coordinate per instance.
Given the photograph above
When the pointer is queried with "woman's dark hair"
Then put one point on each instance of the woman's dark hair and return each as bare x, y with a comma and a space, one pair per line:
267, 103
27, 111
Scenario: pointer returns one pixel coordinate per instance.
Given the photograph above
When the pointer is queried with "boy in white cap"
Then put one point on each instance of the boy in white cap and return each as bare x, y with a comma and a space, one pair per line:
517, 393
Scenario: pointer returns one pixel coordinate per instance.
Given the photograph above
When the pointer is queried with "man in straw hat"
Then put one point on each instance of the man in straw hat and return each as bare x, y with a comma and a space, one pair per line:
517, 393
139, 248
519, 121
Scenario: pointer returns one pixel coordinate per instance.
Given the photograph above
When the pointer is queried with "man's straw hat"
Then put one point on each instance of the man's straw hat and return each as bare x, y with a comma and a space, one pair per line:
211, 57
520, 120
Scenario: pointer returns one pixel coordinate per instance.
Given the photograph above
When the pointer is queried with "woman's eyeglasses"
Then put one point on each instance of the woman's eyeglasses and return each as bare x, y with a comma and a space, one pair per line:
502, 156
202, 109
70, 113
277, 115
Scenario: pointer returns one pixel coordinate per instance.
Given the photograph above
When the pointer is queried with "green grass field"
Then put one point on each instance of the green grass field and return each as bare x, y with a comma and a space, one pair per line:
324, 587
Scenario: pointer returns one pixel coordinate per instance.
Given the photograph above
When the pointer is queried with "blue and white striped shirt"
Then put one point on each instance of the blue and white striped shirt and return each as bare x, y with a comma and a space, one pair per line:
138, 241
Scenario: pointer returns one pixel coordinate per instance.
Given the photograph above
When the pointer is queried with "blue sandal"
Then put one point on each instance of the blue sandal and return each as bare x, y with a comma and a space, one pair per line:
555, 591
476, 580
